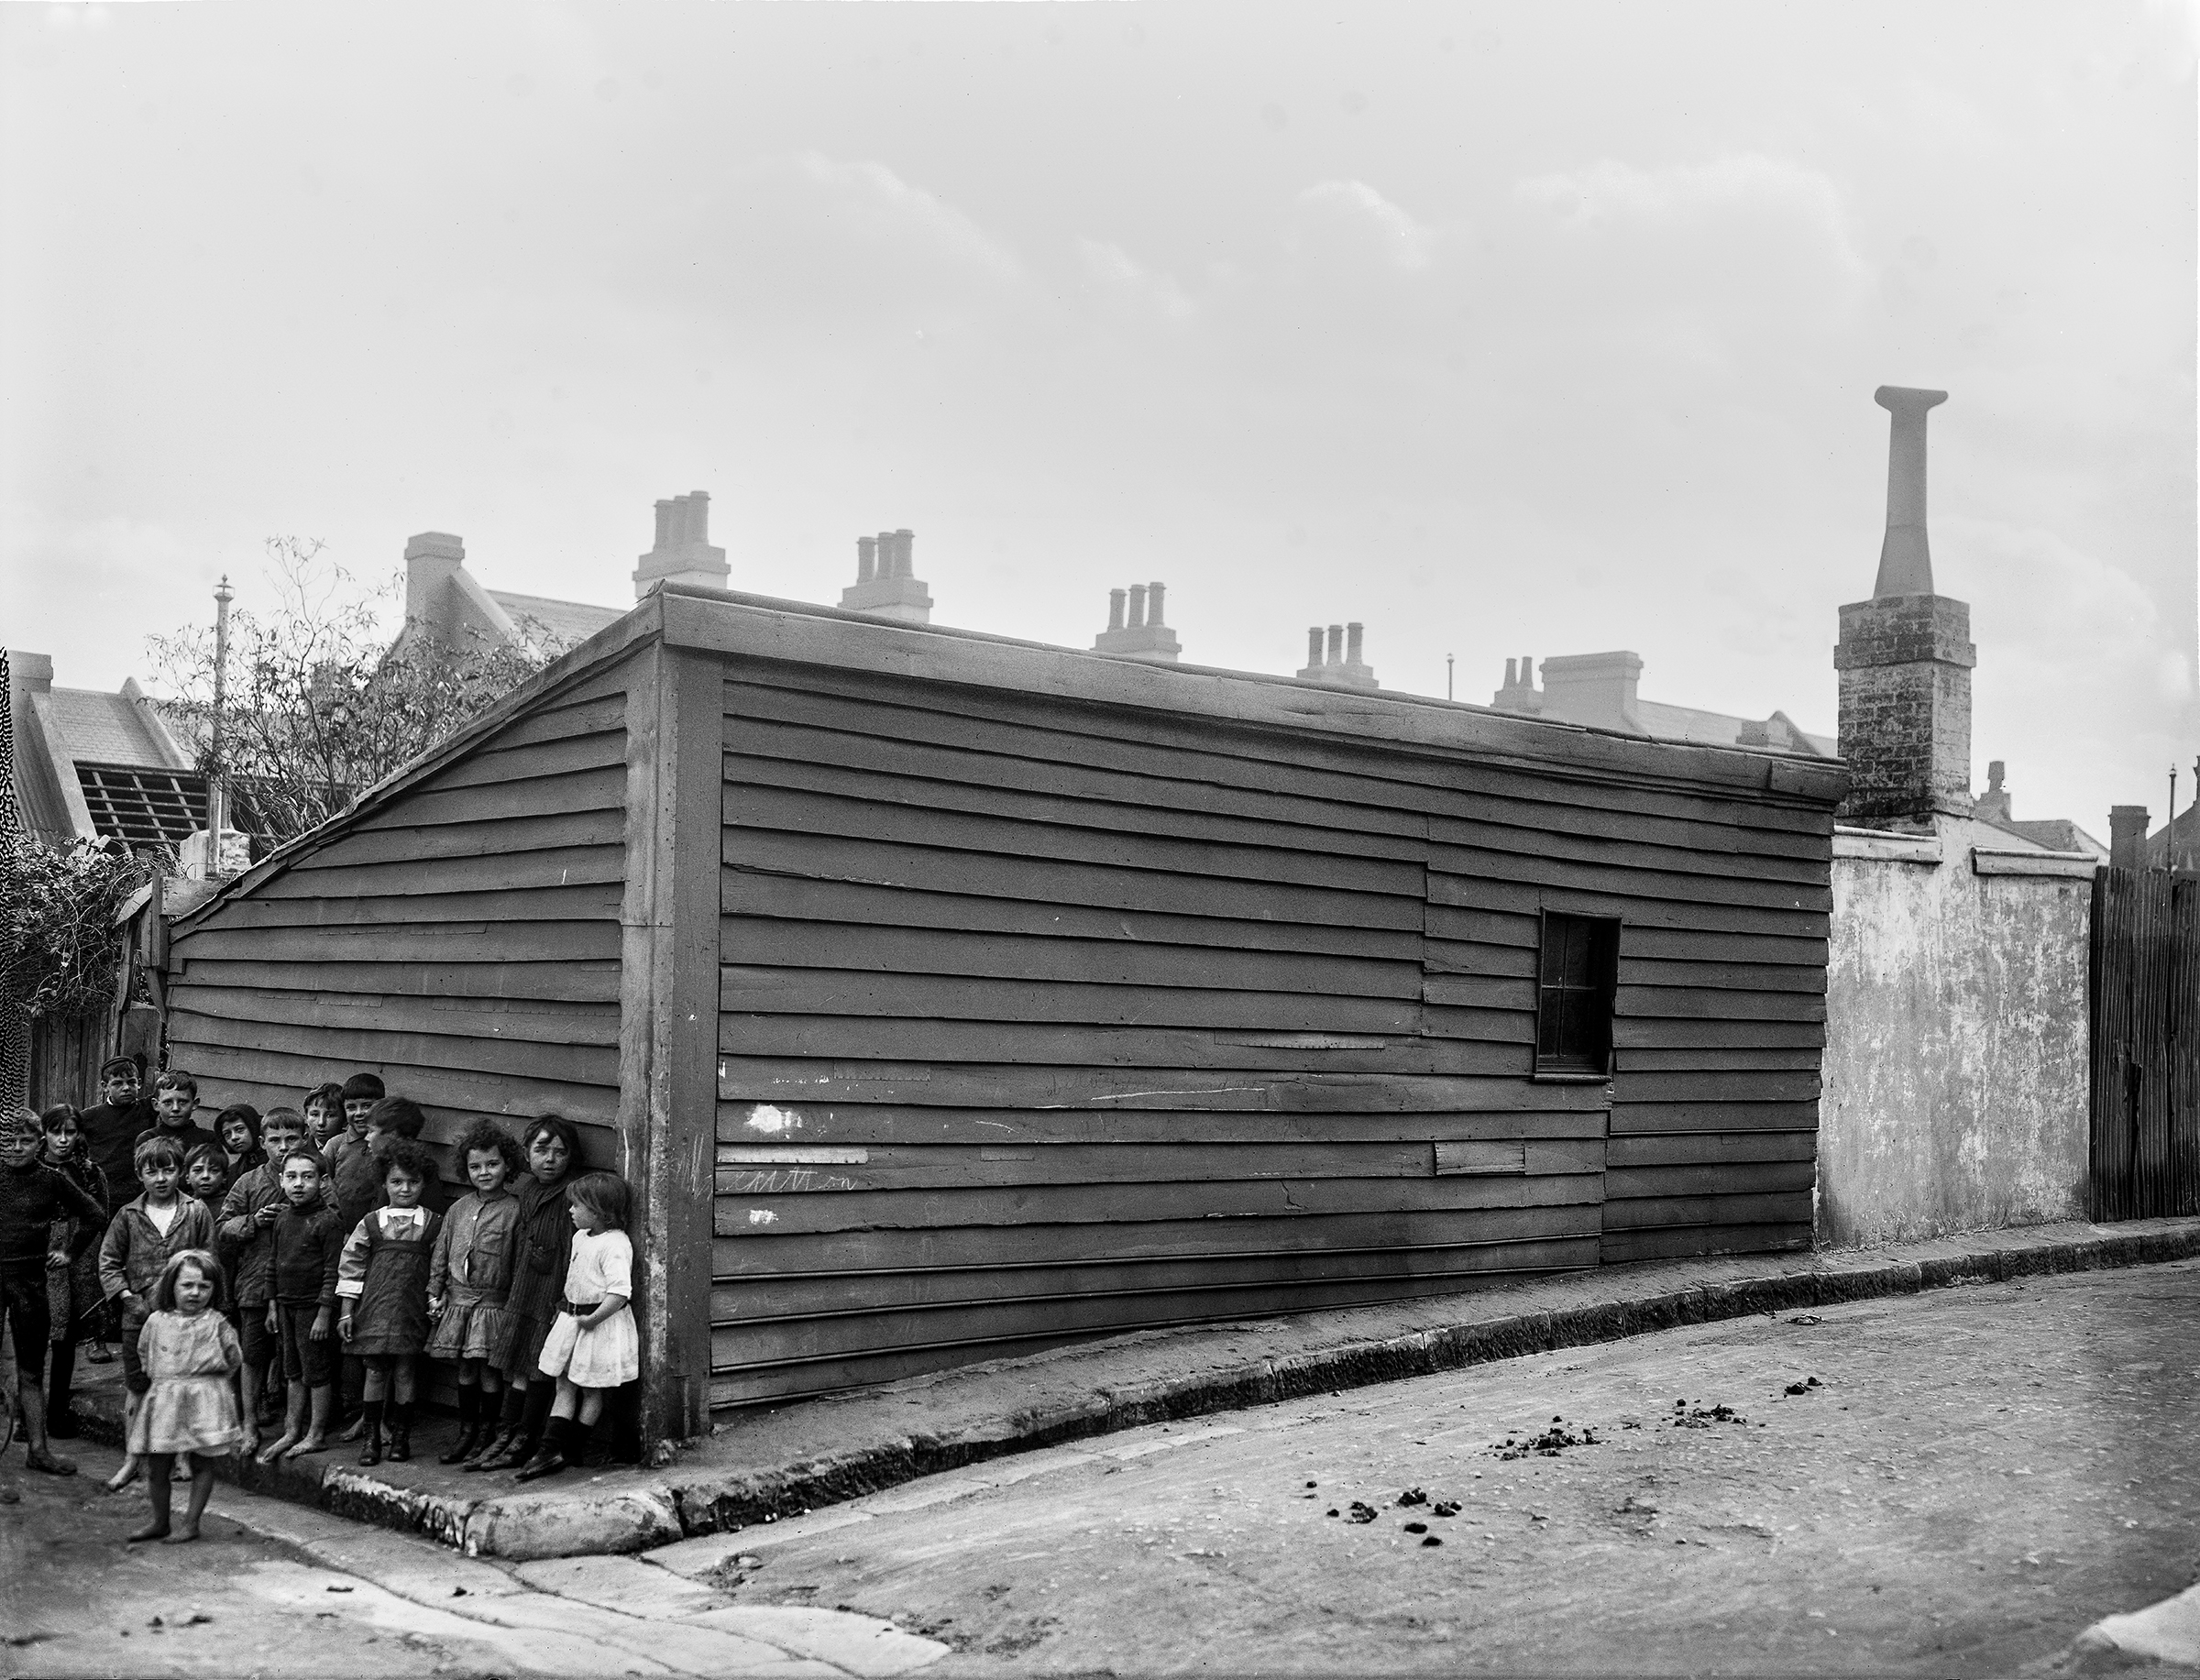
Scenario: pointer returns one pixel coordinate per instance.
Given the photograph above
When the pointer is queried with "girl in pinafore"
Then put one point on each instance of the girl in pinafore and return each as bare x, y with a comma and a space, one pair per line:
382, 1293
594, 1346
469, 1274
190, 1353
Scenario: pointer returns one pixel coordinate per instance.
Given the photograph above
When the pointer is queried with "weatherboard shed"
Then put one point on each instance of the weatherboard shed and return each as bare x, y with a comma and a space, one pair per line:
946, 996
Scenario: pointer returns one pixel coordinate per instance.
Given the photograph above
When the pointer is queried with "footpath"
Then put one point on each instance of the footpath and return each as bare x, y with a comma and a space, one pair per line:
764, 1466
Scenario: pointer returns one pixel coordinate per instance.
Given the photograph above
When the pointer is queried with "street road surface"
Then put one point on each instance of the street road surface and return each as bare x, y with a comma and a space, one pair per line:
1978, 1474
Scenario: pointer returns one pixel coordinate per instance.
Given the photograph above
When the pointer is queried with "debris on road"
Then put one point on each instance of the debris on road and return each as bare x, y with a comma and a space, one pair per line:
1431, 1539
1806, 1318
1549, 1443
1416, 1528
1413, 1496
1700, 1417
1803, 1388
1361, 1512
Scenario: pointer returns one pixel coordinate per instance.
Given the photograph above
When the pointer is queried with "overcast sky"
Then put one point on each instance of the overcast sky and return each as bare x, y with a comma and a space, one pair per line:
1537, 328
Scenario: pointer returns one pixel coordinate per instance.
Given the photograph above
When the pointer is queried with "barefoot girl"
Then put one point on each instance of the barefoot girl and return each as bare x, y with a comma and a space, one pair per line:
189, 1351
594, 1346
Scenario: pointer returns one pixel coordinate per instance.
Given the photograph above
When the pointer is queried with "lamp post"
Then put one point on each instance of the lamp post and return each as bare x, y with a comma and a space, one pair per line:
217, 801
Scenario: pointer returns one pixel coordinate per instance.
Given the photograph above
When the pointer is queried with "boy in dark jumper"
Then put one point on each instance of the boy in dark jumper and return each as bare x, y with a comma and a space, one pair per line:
111, 1127
175, 1107
32, 1196
308, 1246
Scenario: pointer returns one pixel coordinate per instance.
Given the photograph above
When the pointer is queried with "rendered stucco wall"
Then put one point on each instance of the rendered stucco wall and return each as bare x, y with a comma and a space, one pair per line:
1955, 1085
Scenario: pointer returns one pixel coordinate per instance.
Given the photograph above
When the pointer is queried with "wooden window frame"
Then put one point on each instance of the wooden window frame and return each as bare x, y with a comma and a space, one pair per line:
1592, 1065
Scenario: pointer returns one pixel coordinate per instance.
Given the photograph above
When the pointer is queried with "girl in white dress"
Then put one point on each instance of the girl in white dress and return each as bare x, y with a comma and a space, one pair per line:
190, 1353
594, 1344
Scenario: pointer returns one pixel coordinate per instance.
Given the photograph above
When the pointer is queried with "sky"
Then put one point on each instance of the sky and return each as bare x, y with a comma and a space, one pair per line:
1506, 329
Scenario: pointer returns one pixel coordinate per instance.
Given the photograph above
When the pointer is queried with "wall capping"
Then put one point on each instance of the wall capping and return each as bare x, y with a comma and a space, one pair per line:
2001, 860
1878, 846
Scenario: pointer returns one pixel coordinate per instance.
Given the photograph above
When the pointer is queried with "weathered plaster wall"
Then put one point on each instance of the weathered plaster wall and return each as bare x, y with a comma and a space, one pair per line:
1956, 1050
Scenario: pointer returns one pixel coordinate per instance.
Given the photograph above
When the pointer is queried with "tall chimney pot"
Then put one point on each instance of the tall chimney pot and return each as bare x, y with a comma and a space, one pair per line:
1352, 642
1153, 602
1904, 556
1313, 646
1115, 608
1137, 606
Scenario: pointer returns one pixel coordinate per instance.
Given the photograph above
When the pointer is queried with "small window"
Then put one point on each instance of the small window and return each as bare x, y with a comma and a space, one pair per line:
1573, 995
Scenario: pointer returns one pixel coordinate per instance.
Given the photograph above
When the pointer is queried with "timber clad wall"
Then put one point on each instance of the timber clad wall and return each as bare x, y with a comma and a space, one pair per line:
1041, 1020
947, 997
462, 940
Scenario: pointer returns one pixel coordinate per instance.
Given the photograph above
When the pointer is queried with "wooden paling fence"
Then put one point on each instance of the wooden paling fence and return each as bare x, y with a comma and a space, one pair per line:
2146, 1044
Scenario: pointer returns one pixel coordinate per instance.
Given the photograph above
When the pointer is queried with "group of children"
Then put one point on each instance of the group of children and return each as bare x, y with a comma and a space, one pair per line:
277, 1262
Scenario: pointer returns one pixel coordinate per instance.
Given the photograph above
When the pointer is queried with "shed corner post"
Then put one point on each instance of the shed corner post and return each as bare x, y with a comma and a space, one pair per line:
668, 1022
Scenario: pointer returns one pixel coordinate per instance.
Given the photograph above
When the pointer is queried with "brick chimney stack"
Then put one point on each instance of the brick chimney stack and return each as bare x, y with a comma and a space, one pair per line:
886, 586
1342, 665
1140, 634
432, 561
683, 552
1519, 693
2126, 836
1905, 656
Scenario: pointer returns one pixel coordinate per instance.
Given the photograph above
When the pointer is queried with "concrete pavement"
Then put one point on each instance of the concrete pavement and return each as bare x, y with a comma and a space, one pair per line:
278, 1588
766, 1465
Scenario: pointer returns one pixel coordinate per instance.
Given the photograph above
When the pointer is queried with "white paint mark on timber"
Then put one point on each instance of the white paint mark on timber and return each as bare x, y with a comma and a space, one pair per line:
772, 1120
1124, 1096
762, 1216
790, 1154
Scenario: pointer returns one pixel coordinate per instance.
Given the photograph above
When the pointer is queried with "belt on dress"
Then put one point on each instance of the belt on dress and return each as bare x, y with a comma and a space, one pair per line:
578, 1309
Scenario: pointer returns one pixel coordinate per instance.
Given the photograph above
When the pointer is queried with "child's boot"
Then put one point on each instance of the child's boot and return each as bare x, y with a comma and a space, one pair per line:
495, 1440
533, 1414
551, 1457
400, 1430
370, 1414
469, 1428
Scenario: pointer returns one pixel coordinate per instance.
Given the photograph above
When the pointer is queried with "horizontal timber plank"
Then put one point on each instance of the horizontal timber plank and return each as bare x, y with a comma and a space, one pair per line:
385, 839
584, 901
547, 1021
747, 1170
1658, 1085
753, 1344
747, 989
1111, 1204
1709, 945
751, 1079
1727, 1178
334, 875
801, 902
757, 750
1502, 1029
837, 1294
1718, 976
567, 1064
603, 789
522, 943
1678, 1243
1634, 999
1507, 994
1624, 877
1662, 1057
1627, 842
1644, 1211
1707, 1148
455, 1088
567, 980
1637, 1032
790, 811
499, 765
1738, 1116
866, 1125
914, 953
1527, 898
854, 1257
1282, 1046
829, 858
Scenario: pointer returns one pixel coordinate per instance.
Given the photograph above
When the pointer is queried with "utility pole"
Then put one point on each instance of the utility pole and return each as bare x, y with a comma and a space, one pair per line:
217, 791
1448, 677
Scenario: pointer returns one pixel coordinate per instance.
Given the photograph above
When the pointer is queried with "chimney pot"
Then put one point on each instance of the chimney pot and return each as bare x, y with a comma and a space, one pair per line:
1511, 673
2126, 836
1313, 645
1352, 644
1153, 602
1904, 556
1337, 645
904, 553
1137, 605
866, 558
1115, 608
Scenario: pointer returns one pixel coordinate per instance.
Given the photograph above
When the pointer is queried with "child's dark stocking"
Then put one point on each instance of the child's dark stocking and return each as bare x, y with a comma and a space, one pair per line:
202, 1486
401, 1407
158, 1466
497, 1441
375, 1390
556, 1451
470, 1425
533, 1414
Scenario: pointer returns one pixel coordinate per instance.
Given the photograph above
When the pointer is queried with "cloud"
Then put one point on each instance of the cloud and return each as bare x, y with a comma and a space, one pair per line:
1112, 273
1355, 211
